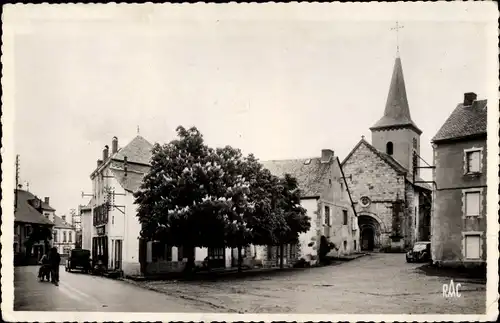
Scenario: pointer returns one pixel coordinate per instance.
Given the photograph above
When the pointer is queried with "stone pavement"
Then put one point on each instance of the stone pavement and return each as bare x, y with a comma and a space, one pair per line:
374, 284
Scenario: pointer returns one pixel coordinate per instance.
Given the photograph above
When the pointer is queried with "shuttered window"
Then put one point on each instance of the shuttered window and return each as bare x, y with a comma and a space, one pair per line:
472, 203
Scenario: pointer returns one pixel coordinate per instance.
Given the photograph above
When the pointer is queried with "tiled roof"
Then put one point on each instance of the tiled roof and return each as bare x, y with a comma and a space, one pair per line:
310, 173
131, 182
139, 150
47, 207
464, 121
397, 111
27, 213
60, 223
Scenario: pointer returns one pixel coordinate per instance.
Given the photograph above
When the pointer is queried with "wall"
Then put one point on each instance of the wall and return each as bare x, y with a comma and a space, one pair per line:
132, 231
87, 229
448, 224
402, 140
368, 175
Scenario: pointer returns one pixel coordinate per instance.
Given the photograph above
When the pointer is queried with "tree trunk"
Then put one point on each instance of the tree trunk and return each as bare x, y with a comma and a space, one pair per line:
190, 260
240, 259
281, 255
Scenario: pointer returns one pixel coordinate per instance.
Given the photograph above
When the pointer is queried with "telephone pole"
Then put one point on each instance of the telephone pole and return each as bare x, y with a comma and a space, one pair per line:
17, 183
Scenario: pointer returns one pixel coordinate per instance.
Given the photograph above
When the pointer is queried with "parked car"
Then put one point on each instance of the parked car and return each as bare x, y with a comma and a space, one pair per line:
79, 259
421, 252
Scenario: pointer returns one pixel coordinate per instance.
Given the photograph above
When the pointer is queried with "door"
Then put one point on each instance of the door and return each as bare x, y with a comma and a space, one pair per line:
118, 254
217, 257
367, 239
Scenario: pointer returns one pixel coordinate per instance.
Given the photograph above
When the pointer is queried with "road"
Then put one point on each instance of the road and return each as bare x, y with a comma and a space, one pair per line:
374, 284
80, 292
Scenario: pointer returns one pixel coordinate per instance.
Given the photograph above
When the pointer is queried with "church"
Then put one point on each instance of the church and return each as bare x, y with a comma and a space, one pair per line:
392, 202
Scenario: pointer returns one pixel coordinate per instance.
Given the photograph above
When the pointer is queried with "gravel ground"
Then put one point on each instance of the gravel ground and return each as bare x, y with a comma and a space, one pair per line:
374, 284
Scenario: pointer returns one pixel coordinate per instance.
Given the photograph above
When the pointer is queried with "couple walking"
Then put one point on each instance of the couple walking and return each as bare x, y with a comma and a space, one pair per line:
50, 266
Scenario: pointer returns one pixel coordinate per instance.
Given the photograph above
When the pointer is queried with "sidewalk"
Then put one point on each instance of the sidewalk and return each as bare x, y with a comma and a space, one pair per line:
233, 272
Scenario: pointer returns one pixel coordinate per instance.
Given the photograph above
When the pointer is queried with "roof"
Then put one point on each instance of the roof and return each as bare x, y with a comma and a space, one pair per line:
464, 121
131, 182
60, 223
139, 150
309, 172
47, 207
390, 161
397, 111
27, 213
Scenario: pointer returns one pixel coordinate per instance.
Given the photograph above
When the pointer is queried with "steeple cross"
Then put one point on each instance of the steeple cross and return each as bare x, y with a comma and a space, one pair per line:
397, 28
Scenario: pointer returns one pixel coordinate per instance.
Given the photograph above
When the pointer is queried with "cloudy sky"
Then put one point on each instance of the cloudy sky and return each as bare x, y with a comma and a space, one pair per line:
278, 81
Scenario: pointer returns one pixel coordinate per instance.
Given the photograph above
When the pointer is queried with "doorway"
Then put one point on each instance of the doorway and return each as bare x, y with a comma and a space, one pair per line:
367, 239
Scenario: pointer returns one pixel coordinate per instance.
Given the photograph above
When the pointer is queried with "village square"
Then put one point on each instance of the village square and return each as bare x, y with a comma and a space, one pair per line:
395, 223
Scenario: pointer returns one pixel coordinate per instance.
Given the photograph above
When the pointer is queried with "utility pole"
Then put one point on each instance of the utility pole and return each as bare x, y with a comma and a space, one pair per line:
17, 183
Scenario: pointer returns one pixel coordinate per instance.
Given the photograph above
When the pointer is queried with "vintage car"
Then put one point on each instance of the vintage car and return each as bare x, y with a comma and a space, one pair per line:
79, 259
421, 252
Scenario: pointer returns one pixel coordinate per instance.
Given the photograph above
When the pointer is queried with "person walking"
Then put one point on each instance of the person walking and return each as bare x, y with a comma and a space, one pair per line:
54, 262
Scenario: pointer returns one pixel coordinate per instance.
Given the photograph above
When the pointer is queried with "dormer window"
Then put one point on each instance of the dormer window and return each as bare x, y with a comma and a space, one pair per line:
389, 148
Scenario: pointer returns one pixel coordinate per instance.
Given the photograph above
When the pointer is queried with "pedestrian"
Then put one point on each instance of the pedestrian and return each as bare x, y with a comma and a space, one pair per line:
54, 262
44, 271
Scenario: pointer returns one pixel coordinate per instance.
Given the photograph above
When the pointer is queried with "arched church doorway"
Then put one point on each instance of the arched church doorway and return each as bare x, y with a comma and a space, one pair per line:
369, 233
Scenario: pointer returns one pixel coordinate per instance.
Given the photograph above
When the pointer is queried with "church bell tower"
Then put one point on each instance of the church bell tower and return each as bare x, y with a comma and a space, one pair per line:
395, 133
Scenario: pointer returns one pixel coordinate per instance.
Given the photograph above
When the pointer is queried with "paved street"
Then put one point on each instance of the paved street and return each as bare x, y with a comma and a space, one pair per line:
378, 284
79, 292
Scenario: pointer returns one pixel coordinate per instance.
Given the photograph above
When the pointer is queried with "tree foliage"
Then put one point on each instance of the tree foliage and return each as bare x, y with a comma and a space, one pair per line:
198, 196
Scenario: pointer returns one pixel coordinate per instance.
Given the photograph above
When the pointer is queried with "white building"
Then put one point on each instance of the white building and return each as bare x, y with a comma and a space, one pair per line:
115, 228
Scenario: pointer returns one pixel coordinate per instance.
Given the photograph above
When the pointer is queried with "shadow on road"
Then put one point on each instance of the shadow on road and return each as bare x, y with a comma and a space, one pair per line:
455, 273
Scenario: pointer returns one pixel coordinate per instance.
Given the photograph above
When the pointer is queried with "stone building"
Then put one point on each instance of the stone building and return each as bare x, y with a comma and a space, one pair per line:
460, 158
391, 200
64, 235
325, 196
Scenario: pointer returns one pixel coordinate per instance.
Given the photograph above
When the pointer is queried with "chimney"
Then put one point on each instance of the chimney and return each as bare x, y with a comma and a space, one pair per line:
469, 97
326, 155
114, 145
105, 153
47, 200
63, 217
99, 162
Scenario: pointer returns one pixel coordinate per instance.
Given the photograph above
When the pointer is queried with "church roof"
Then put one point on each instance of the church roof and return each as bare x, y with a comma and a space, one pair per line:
397, 111
400, 169
464, 121
310, 173
139, 150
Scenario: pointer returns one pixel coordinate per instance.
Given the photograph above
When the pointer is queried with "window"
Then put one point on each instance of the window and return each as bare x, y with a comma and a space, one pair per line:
64, 236
473, 161
70, 236
389, 148
354, 245
472, 246
345, 245
327, 215
55, 236
472, 203
345, 216
415, 143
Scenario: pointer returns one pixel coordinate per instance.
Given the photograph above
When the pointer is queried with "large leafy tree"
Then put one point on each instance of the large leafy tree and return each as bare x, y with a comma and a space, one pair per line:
196, 196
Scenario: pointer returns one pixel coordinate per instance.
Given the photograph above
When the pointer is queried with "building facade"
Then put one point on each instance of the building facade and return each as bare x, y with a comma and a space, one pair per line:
326, 198
115, 228
64, 235
32, 229
392, 202
459, 212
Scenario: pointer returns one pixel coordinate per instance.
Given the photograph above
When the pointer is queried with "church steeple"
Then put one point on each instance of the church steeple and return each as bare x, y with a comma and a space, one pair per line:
397, 111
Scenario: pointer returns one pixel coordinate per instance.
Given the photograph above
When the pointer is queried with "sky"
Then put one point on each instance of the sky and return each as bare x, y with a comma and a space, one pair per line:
278, 82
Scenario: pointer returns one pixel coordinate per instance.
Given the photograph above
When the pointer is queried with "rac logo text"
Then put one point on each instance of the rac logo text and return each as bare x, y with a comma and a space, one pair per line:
451, 290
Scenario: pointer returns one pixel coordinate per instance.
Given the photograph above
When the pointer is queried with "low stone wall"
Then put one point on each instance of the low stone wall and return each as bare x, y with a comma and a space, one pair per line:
161, 267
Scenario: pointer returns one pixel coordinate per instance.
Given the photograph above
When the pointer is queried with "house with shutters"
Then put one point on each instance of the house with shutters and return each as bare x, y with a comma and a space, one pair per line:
64, 235
392, 202
459, 212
